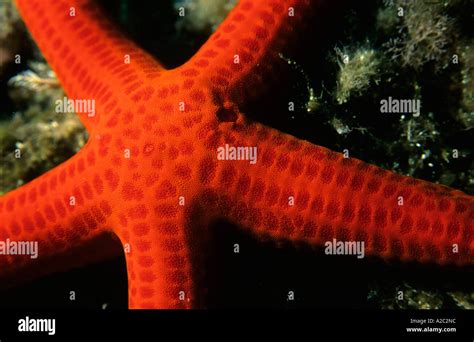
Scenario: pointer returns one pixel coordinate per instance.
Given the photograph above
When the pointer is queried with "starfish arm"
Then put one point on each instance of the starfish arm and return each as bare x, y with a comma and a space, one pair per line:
245, 48
92, 60
61, 211
153, 235
306, 193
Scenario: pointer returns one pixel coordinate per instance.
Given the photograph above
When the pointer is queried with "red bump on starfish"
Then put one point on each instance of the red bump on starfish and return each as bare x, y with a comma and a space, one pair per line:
150, 172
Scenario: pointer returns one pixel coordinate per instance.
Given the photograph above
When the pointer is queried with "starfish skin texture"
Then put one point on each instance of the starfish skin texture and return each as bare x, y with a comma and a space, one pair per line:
161, 198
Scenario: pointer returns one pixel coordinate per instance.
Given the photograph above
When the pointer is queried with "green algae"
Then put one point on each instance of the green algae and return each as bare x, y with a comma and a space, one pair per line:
36, 139
202, 16
357, 71
33, 137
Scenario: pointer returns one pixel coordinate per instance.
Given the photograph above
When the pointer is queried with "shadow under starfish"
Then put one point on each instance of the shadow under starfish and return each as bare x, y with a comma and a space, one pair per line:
150, 173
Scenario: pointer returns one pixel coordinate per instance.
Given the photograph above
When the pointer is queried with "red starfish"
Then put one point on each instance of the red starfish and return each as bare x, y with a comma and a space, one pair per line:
150, 172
